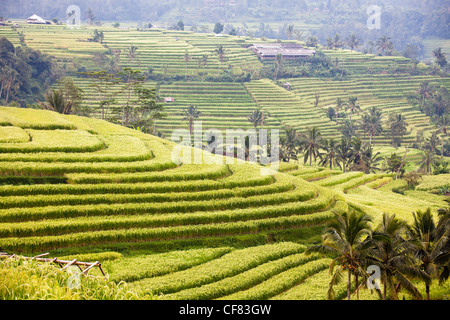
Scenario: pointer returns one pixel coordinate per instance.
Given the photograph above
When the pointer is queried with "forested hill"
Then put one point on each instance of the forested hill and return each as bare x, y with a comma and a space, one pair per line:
429, 17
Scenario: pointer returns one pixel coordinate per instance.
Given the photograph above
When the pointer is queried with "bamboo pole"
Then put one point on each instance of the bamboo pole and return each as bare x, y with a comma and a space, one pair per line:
64, 264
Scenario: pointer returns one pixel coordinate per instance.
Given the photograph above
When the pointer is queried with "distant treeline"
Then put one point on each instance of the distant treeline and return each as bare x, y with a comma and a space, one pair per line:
406, 22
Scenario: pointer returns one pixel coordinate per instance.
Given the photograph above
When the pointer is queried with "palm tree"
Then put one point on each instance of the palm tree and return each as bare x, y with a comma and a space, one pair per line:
289, 144
427, 160
353, 41
316, 99
204, 63
190, 114
331, 155
347, 237
57, 102
385, 44
443, 124
441, 59
187, 58
290, 31
358, 151
425, 91
132, 54
392, 254
257, 117
433, 250
353, 106
348, 129
298, 35
371, 122
371, 160
398, 127
337, 42
312, 41
221, 52
278, 65
312, 141
371, 46
344, 153
340, 103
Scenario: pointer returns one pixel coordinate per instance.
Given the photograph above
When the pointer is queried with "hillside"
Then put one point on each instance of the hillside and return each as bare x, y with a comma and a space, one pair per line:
222, 90
88, 189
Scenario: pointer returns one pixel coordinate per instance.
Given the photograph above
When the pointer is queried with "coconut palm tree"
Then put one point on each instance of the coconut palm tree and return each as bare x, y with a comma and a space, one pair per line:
371, 160
426, 92
336, 42
433, 250
348, 238
385, 44
289, 145
278, 65
132, 54
441, 59
371, 45
353, 41
358, 151
57, 102
257, 118
311, 143
290, 31
443, 123
221, 52
187, 58
427, 160
371, 123
353, 106
348, 129
398, 127
331, 155
190, 114
344, 153
312, 41
204, 62
340, 104
392, 253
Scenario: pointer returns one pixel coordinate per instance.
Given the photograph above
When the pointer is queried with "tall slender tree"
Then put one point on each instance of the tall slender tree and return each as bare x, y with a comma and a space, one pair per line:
187, 59
348, 238
311, 144
385, 45
433, 250
392, 253
257, 118
190, 114
353, 41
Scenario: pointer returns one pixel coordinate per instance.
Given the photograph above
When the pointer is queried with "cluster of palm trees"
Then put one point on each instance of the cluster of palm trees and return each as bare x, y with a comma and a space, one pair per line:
202, 61
371, 121
346, 154
405, 254
384, 44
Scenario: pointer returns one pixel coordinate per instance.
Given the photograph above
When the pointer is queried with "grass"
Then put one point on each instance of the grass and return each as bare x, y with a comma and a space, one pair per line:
112, 194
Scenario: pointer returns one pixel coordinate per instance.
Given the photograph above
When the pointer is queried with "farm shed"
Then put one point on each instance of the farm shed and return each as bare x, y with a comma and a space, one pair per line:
290, 51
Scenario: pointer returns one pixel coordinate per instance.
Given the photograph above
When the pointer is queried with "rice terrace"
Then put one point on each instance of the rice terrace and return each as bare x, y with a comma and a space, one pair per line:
224, 150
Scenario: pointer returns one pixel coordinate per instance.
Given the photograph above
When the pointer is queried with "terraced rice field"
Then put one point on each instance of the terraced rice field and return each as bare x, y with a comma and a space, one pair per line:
223, 106
118, 188
387, 92
359, 63
164, 50
88, 189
